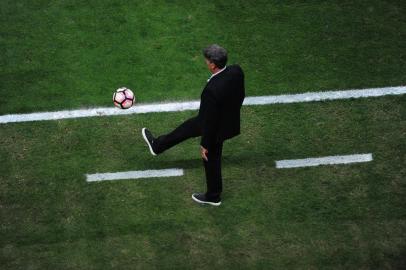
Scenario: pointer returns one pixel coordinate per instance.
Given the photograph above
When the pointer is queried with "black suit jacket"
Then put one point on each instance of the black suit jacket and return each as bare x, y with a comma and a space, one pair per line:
220, 105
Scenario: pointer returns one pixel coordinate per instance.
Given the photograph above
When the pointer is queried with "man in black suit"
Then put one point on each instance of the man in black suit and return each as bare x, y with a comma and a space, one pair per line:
217, 121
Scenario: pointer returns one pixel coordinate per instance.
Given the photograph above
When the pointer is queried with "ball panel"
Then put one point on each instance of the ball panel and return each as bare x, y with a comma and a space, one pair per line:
126, 103
129, 94
121, 89
119, 97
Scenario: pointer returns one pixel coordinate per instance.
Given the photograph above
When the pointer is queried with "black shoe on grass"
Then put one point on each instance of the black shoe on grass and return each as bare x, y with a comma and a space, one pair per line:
149, 139
201, 198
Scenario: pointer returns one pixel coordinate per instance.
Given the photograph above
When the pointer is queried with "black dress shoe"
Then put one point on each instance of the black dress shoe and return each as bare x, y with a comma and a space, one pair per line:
201, 198
149, 139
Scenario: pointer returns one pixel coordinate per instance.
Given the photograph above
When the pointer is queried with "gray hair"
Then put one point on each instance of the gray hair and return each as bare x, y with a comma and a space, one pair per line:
216, 54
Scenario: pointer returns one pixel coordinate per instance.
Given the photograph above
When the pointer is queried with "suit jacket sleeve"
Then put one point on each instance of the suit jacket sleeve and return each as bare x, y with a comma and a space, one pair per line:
209, 110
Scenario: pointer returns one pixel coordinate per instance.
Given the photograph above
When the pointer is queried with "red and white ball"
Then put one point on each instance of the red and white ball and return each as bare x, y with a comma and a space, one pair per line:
123, 98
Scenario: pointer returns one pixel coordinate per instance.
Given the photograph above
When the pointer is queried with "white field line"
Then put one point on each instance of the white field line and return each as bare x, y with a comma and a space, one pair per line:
309, 162
194, 105
133, 175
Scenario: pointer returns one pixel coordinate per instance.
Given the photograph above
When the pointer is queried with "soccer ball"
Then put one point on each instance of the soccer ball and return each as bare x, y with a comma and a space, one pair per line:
123, 98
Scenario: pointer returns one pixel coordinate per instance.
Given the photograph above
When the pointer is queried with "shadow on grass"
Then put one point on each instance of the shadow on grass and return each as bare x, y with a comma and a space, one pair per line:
244, 160
91, 230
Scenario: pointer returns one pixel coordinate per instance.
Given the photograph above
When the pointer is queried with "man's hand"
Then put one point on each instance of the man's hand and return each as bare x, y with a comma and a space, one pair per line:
204, 152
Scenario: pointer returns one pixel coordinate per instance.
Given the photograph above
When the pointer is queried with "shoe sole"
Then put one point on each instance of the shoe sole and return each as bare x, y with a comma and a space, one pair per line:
204, 202
146, 140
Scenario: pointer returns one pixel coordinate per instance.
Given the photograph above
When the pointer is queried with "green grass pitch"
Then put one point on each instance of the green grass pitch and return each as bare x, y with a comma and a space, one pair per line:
58, 55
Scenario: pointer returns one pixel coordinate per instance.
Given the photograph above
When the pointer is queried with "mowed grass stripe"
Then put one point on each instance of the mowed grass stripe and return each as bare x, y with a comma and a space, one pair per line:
51, 211
193, 105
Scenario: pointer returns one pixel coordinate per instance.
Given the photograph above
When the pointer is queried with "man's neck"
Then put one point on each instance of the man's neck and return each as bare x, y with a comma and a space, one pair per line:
215, 72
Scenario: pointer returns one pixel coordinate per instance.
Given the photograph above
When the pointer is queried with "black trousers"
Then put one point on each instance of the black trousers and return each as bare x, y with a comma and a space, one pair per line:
189, 129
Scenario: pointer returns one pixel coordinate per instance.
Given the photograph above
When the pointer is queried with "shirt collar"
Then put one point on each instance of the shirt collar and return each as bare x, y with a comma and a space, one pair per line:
221, 70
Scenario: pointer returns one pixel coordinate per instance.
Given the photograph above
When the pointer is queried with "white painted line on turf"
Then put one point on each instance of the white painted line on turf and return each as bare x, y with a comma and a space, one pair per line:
194, 105
133, 175
309, 162
137, 109
327, 95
